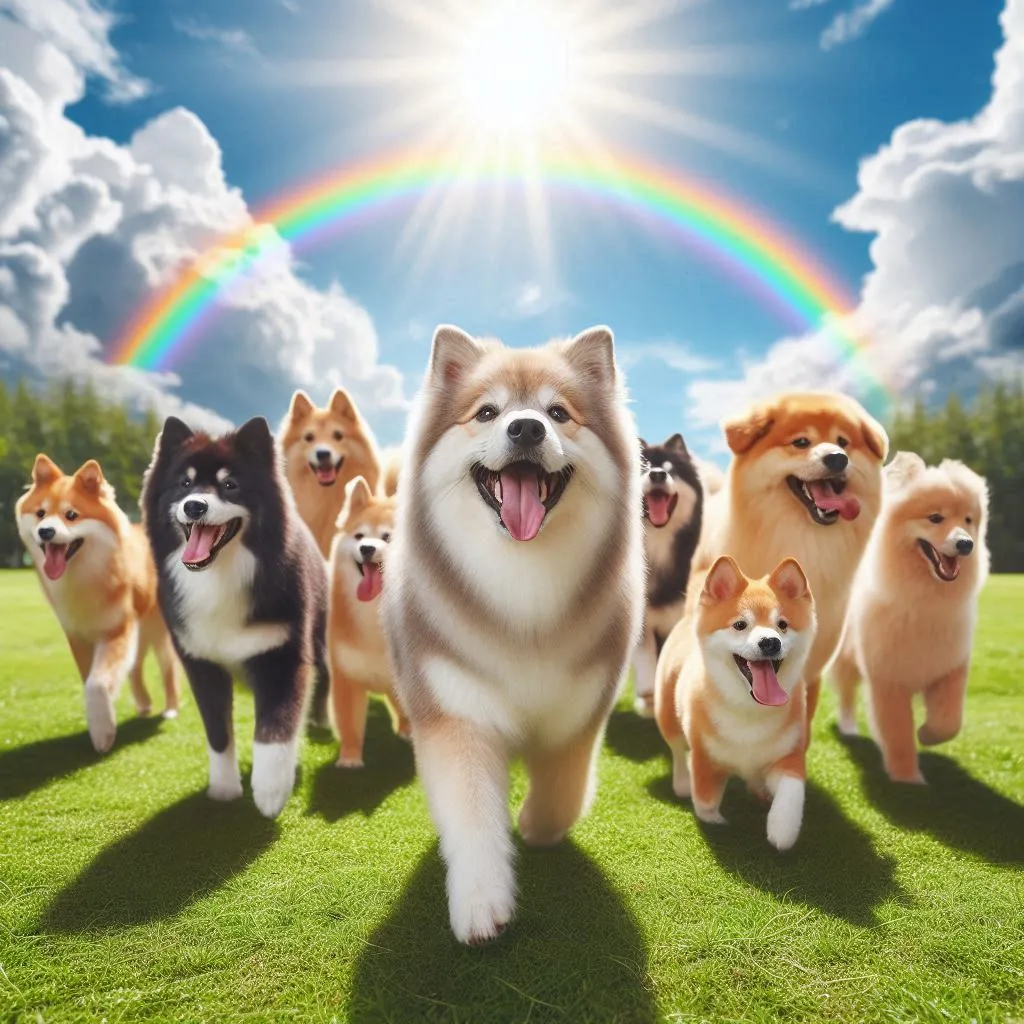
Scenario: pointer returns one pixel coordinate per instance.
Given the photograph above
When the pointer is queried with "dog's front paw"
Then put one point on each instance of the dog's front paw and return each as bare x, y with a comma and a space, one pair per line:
99, 716
348, 761
787, 813
907, 779
225, 780
273, 776
224, 790
644, 705
929, 737
709, 815
681, 785
848, 725
480, 908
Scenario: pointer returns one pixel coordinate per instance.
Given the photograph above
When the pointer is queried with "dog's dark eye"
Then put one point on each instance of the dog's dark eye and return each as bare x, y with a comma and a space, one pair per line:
309, 437
969, 520
485, 413
186, 482
783, 625
357, 536
802, 442
71, 515
338, 435
842, 442
229, 484
558, 414
385, 536
41, 514
936, 517
739, 626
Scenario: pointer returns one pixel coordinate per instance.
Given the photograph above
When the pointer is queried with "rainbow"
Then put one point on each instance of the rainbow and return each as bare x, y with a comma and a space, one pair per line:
749, 249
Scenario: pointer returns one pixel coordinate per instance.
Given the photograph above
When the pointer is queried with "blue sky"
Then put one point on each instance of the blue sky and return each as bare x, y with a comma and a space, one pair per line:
808, 106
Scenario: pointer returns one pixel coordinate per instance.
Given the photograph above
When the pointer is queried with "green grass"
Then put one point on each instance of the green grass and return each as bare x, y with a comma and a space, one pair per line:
126, 895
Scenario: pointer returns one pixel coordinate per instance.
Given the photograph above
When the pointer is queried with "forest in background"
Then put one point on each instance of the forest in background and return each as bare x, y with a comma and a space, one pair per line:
72, 424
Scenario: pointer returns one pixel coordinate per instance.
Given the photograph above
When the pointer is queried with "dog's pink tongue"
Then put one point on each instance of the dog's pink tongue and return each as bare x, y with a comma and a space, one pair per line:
371, 584
657, 507
766, 684
200, 543
55, 560
522, 511
827, 500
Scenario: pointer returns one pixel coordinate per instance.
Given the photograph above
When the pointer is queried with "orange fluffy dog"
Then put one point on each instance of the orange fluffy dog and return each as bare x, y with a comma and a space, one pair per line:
97, 573
805, 481
355, 642
729, 699
323, 450
914, 606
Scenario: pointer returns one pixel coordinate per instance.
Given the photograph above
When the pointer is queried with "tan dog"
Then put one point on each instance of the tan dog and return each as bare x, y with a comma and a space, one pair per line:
729, 698
805, 481
98, 575
355, 640
914, 608
323, 450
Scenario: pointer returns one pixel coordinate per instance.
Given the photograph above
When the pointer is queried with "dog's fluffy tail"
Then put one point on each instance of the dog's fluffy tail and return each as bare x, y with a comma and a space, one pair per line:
390, 462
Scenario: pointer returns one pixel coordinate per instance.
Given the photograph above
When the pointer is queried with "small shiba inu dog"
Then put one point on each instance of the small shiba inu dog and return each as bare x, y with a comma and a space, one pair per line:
96, 571
914, 607
357, 655
805, 481
730, 698
323, 450
514, 594
673, 498
244, 591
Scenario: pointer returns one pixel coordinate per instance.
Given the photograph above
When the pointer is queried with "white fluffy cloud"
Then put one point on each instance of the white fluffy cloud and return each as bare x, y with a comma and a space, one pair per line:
944, 302
848, 24
89, 229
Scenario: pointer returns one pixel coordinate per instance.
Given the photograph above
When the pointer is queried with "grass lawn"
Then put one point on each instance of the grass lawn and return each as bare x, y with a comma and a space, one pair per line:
126, 895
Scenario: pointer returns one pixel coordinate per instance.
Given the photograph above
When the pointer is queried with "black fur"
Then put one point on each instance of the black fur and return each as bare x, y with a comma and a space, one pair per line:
289, 585
667, 580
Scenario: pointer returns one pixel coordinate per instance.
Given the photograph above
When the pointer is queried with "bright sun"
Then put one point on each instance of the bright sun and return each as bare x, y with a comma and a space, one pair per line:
514, 71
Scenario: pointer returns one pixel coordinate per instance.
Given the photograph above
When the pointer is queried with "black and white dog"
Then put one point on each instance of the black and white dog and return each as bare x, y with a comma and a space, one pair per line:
243, 588
673, 508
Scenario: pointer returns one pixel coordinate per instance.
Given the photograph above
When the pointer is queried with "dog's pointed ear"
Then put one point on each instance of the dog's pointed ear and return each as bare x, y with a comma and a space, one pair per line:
676, 444
723, 581
255, 440
905, 466
45, 470
301, 405
357, 496
789, 579
743, 432
174, 434
342, 406
90, 477
592, 354
453, 354
875, 437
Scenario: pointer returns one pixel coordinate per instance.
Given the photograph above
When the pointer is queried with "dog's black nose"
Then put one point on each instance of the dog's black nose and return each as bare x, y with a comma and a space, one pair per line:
196, 508
770, 646
836, 461
965, 545
323, 455
658, 476
367, 551
47, 533
526, 432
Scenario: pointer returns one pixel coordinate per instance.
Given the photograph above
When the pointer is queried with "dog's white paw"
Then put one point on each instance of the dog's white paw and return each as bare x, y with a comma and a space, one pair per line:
481, 907
681, 781
348, 762
225, 780
709, 815
170, 713
99, 716
787, 813
273, 776
644, 706
848, 725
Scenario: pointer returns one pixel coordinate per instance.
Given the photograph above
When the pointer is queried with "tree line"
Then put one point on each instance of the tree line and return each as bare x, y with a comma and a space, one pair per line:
73, 423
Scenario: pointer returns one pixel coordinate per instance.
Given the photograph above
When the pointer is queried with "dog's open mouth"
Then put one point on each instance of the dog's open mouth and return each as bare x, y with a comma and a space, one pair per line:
659, 506
204, 541
326, 473
371, 582
945, 567
57, 556
522, 494
762, 678
826, 500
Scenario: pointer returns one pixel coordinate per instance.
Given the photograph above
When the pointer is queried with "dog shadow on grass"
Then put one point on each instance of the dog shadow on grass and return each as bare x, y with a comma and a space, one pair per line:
35, 765
338, 792
573, 952
833, 867
632, 736
955, 808
184, 853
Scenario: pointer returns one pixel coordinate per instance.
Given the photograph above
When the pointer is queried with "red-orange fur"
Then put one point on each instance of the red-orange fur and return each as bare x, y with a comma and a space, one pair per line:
103, 597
